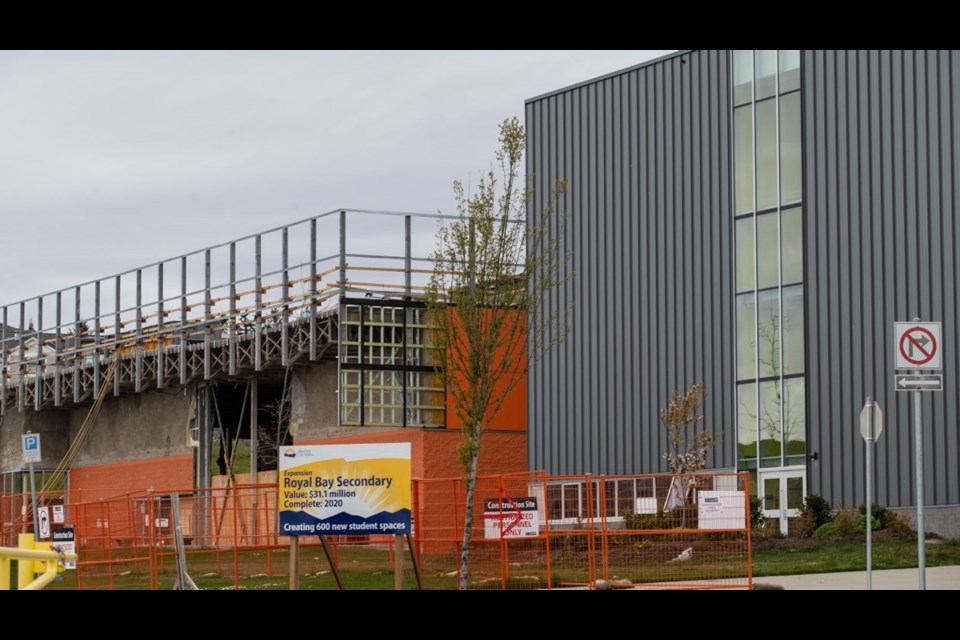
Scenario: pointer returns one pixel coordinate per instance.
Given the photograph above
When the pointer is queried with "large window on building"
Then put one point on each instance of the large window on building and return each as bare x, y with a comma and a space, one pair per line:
771, 407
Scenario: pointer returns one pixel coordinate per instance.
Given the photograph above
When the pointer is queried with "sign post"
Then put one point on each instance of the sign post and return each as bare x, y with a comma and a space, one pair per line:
30, 443
343, 489
871, 426
919, 348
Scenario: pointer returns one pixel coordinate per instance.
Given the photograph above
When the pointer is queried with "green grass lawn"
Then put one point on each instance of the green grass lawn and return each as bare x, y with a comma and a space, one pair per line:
834, 556
365, 567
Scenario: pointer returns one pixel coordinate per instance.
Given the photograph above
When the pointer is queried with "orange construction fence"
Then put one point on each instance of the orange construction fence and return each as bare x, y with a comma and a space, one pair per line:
529, 531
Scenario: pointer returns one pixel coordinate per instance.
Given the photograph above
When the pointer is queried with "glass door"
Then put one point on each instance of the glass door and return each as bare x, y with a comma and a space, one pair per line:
783, 493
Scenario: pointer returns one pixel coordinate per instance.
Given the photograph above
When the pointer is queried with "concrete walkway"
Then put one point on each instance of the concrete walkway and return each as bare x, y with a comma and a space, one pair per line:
939, 578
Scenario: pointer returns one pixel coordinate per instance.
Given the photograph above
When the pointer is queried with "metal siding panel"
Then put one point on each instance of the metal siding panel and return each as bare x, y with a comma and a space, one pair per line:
881, 191
605, 453
647, 156
720, 214
662, 299
635, 327
867, 232
950, 88
648, 190
620, 216
595, 283
573, 458
568, 422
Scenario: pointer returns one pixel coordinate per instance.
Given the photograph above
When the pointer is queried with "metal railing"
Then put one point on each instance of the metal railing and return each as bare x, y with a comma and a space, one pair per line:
38, 564
190, 314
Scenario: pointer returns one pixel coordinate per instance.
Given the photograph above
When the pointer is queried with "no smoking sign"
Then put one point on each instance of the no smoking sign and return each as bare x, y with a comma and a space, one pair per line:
918, 345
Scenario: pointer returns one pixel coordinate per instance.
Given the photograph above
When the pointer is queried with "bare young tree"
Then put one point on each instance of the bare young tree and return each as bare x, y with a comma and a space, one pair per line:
491, 273
689, 447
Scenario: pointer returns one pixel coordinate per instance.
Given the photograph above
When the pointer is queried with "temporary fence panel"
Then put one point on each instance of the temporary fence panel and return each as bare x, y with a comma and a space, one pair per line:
529, 531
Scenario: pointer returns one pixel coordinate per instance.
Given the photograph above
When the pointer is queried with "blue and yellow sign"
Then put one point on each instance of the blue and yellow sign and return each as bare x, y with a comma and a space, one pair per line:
352, 489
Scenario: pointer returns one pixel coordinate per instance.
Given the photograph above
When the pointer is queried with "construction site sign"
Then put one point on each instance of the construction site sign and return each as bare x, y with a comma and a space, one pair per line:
510, 517
65, 539
345, 489
722, 509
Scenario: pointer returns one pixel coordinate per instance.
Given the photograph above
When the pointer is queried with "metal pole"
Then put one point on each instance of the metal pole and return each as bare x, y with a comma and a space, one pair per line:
38, 376
207, 317
117, 326
3, 363
285, 295
232, 323
96, 339
869, 444
407, 264
254, 435
33, 500
258, 304
254, 447
161, 322
77, 342
313, 289
343, 255
58, 358
138, 361
921, 542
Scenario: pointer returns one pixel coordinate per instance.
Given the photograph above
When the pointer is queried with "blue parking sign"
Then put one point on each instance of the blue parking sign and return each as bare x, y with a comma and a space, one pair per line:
31, 448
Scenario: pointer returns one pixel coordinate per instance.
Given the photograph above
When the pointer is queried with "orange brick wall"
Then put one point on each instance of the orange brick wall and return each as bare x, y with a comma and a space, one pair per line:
101, 481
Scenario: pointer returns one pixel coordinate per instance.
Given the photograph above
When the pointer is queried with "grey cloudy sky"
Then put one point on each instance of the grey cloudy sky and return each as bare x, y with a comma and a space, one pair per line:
111, 160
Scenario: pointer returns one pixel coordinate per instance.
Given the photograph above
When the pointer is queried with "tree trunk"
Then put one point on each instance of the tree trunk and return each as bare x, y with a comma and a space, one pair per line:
471, 481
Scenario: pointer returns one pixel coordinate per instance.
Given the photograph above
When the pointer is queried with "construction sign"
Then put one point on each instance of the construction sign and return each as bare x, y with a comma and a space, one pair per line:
339, 489
510, 517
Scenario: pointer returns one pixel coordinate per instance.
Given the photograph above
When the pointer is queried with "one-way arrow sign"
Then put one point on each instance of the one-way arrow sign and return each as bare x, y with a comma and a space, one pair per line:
916, 382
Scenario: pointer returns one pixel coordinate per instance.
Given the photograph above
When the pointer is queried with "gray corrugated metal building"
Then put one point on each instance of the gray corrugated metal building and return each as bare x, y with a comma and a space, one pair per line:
756, 220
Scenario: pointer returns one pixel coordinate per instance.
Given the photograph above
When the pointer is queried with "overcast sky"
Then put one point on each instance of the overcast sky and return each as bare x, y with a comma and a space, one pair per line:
112, 160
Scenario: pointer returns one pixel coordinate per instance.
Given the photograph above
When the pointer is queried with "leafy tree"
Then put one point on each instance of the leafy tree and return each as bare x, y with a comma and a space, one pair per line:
491, 272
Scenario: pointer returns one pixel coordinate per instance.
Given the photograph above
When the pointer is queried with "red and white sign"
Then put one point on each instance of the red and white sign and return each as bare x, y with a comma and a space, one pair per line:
510, 517
918, 345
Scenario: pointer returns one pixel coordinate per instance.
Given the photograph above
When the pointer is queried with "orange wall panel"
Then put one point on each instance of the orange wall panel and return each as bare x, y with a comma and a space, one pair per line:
101, 481
513, 414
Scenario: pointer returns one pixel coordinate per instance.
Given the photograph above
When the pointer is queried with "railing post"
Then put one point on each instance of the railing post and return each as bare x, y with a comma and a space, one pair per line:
38, 367
21, 377
232, 323
258, 305
58, 353
313, 289
3, 364
151, 531
77, 346
96, 339
116, 340
183, 320
546, 528
284, 299
206, 315
138, 351
407, 259
161, 320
